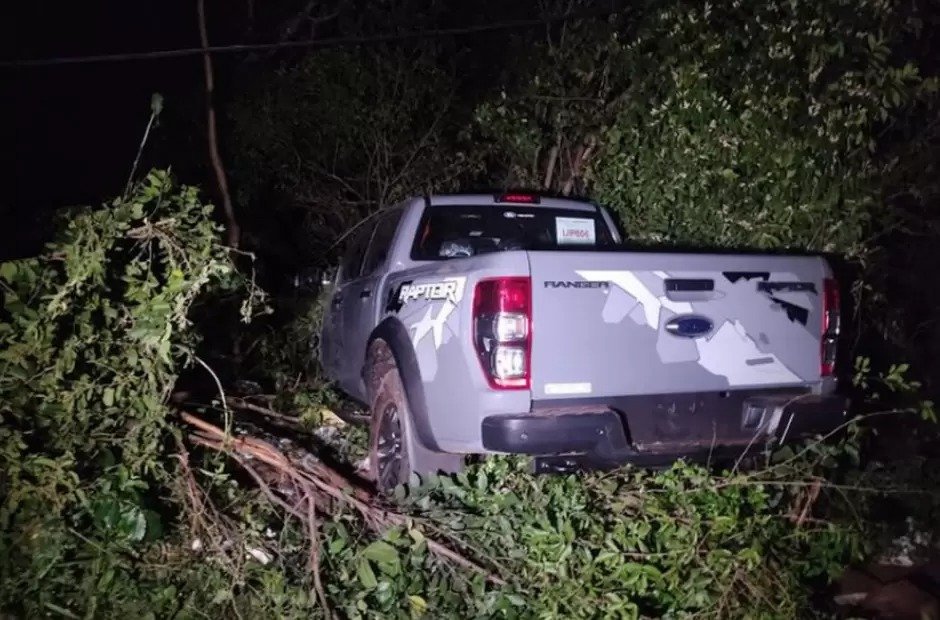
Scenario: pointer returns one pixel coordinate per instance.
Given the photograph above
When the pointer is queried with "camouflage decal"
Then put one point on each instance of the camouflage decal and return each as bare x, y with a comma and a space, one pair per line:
731, 353
792, 287
782, 293
630, 283
427, 310
450, 291
794, 312
393, 303
739, 346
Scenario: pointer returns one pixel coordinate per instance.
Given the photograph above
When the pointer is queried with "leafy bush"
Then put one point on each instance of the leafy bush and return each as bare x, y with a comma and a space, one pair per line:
632, 543
729, 124
769, 127
93, 335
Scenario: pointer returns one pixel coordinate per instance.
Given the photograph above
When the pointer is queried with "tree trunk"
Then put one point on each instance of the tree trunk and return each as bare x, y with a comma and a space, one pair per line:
233, 231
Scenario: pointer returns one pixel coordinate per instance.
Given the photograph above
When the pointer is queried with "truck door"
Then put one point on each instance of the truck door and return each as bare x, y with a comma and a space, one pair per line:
333, 324
361, 302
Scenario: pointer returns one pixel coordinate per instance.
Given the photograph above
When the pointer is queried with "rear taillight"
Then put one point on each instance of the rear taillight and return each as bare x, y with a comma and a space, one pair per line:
831, 320
502, 331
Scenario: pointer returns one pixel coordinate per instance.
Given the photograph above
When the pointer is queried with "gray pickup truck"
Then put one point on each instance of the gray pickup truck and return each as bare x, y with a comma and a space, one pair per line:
515, 323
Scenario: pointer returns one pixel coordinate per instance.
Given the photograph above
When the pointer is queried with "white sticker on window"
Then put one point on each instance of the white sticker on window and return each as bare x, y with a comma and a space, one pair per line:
574, 230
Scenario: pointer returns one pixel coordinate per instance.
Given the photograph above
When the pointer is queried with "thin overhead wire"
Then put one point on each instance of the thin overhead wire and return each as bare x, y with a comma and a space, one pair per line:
315, 43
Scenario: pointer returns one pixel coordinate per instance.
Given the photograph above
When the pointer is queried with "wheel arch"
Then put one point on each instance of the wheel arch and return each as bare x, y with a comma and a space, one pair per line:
395, 334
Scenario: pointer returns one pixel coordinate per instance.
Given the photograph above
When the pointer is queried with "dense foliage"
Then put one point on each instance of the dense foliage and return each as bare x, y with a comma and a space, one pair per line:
764, 116
633, 543
93, 335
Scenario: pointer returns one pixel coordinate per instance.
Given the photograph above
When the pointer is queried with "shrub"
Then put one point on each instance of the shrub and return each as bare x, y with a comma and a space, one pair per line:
632, 543
93, 335
763, 117
721, 124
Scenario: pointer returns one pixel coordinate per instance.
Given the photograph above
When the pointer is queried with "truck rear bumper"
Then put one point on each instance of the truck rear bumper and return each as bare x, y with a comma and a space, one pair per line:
668, 426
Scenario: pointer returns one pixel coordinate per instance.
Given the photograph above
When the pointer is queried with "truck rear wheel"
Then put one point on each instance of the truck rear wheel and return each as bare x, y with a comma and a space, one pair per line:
394, 449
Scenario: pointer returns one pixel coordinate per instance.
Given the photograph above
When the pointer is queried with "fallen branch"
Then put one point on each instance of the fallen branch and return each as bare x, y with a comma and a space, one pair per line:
241, 403
308, 481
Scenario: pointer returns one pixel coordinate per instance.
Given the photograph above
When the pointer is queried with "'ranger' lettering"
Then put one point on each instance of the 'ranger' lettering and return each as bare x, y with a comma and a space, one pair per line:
576, 284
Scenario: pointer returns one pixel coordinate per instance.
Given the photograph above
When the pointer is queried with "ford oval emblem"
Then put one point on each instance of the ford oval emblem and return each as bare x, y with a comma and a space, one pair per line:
689, 326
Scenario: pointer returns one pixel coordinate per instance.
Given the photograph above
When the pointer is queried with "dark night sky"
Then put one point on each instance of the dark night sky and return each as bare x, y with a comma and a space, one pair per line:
70, 132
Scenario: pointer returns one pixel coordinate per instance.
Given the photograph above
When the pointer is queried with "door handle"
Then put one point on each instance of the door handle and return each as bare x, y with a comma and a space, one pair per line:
365, 294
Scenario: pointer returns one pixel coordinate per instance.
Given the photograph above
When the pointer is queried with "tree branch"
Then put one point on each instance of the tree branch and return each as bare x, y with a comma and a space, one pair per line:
234, 233
550, 165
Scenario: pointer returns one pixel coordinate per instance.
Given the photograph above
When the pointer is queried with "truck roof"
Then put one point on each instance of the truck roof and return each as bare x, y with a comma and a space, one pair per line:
511, 198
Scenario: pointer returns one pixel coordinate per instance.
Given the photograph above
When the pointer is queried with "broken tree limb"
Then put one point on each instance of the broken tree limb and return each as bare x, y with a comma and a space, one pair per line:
310, 480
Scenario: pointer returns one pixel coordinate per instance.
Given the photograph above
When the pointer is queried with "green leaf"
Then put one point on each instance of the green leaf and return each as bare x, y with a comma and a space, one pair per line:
138, 526
381, 551
108, 397
221, 595
418, 604
365, 574
8, 271
416, 535
336, 544
516, 600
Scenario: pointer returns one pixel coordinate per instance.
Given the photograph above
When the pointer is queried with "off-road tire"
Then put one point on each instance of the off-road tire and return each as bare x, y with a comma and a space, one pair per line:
391, 427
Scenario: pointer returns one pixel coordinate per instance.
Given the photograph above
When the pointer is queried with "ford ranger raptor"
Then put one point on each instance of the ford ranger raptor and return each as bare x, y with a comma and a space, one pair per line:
516, 323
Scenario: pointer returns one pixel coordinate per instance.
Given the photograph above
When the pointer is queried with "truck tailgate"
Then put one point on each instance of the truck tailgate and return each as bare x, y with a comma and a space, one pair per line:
630, 323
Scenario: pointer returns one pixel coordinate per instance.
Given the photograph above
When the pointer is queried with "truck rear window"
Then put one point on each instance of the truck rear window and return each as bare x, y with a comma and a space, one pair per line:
458, 231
